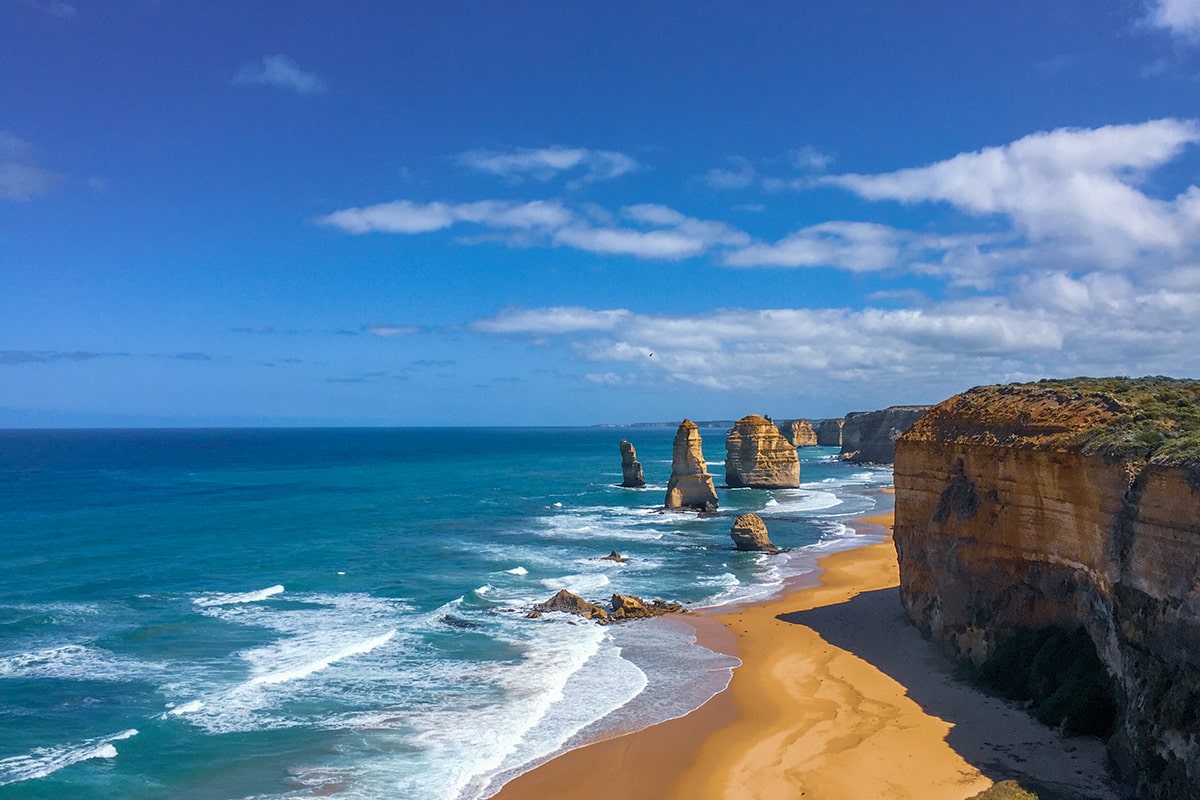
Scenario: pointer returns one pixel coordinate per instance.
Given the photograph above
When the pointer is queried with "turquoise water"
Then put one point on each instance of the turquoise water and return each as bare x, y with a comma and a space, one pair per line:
300, 613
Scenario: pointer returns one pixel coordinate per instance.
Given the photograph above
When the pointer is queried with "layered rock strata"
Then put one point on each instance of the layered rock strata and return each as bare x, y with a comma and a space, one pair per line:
632, 475
799, 432
1068, 504
690, 485
626, 607
749, 533
829, 432
758, 457
870, 436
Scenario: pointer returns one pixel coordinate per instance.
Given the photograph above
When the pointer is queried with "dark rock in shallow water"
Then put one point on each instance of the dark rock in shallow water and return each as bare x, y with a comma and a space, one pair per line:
458, 622
569, 603
632, 475
614, 556
749, 533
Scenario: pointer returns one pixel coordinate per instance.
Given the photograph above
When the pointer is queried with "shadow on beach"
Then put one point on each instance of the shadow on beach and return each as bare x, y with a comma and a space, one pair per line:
997, 737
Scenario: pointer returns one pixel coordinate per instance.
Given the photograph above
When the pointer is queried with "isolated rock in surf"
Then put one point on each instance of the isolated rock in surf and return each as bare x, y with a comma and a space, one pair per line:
632, 475
690, 486
749, 533
759, 457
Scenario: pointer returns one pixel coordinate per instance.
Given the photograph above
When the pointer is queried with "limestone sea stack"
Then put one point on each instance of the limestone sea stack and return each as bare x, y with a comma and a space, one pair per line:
632, 475
1041, 527
870, 436
799, 432
749, 533
690, 486
759, 457
829, 432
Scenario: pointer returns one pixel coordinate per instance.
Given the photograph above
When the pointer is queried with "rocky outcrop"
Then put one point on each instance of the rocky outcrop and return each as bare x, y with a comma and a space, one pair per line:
829, 432
626, 607
749, 532
870, 436
1068, 505
632, 475
757, 456
570, 603
614, 556
798, 432
690, 486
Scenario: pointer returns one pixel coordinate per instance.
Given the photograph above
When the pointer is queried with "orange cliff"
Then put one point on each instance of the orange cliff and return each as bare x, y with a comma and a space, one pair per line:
1069, 504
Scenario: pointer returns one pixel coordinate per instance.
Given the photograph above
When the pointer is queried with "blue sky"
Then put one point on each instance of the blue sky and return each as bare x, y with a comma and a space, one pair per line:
294, 213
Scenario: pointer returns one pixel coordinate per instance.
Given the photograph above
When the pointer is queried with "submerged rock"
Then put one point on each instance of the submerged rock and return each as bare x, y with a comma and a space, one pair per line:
632, 475
690, 486
570, 603
626, 606
749, 533
759, 457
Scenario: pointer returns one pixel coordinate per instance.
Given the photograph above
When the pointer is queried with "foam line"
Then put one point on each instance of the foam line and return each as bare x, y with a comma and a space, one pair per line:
43, 761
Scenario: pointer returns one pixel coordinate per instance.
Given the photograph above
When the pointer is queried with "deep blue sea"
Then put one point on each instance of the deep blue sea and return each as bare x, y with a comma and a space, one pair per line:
342, 612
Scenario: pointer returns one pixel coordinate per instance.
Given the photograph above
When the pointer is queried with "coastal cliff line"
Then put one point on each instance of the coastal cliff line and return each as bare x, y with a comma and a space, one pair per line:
1066, 514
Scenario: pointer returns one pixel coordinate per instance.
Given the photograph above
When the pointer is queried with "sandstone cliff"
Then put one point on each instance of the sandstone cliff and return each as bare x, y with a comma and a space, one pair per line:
757, 456
690, 486
1068, 505
632, 475
799, 432
870, 436
829, 432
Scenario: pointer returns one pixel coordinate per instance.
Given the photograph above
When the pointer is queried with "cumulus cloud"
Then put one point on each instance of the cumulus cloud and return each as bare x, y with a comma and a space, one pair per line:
20, 178
546, 163
1180, 17
1072, 185
281, 72
1052, 323
810, 158
739, 175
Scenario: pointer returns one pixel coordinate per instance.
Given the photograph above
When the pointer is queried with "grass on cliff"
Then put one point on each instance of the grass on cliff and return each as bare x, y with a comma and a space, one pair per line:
1157, 418
1059, 674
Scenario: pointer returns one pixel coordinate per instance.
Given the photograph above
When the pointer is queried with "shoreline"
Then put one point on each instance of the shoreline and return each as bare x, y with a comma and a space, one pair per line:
838, 696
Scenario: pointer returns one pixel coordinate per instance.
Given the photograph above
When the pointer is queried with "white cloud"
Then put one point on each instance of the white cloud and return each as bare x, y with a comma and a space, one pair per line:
281, 72
403, 216
20, 178
556, 320
1055, 323
741, 175
810, 159
386, 330
546, 163
1180, 17
1069, 184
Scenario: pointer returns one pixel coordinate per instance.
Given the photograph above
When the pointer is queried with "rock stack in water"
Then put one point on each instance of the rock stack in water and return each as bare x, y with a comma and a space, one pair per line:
749, 532
799, 432
690, 486
758, 457
632, 475
829, 432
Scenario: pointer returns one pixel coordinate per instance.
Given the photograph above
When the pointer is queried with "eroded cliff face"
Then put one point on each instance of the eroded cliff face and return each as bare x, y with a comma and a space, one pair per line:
758, 456
1064, 504
870, 436
690, 485
829, 432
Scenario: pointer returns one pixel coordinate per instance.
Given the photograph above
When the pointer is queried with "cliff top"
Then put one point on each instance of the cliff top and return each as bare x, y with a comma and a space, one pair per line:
1153, 418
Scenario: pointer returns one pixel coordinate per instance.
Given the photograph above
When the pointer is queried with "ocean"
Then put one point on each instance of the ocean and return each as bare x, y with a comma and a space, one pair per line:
293, 613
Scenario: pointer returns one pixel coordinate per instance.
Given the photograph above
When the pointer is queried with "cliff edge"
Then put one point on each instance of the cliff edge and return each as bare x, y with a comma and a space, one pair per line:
1070, 507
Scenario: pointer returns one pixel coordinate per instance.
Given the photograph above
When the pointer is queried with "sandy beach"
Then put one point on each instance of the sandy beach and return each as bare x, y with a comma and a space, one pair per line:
838, 696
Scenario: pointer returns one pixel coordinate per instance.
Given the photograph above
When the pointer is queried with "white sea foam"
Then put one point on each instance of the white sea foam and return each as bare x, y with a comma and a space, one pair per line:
237, 598
582, 584
519, 571
74, 662
43, 761
297, 671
